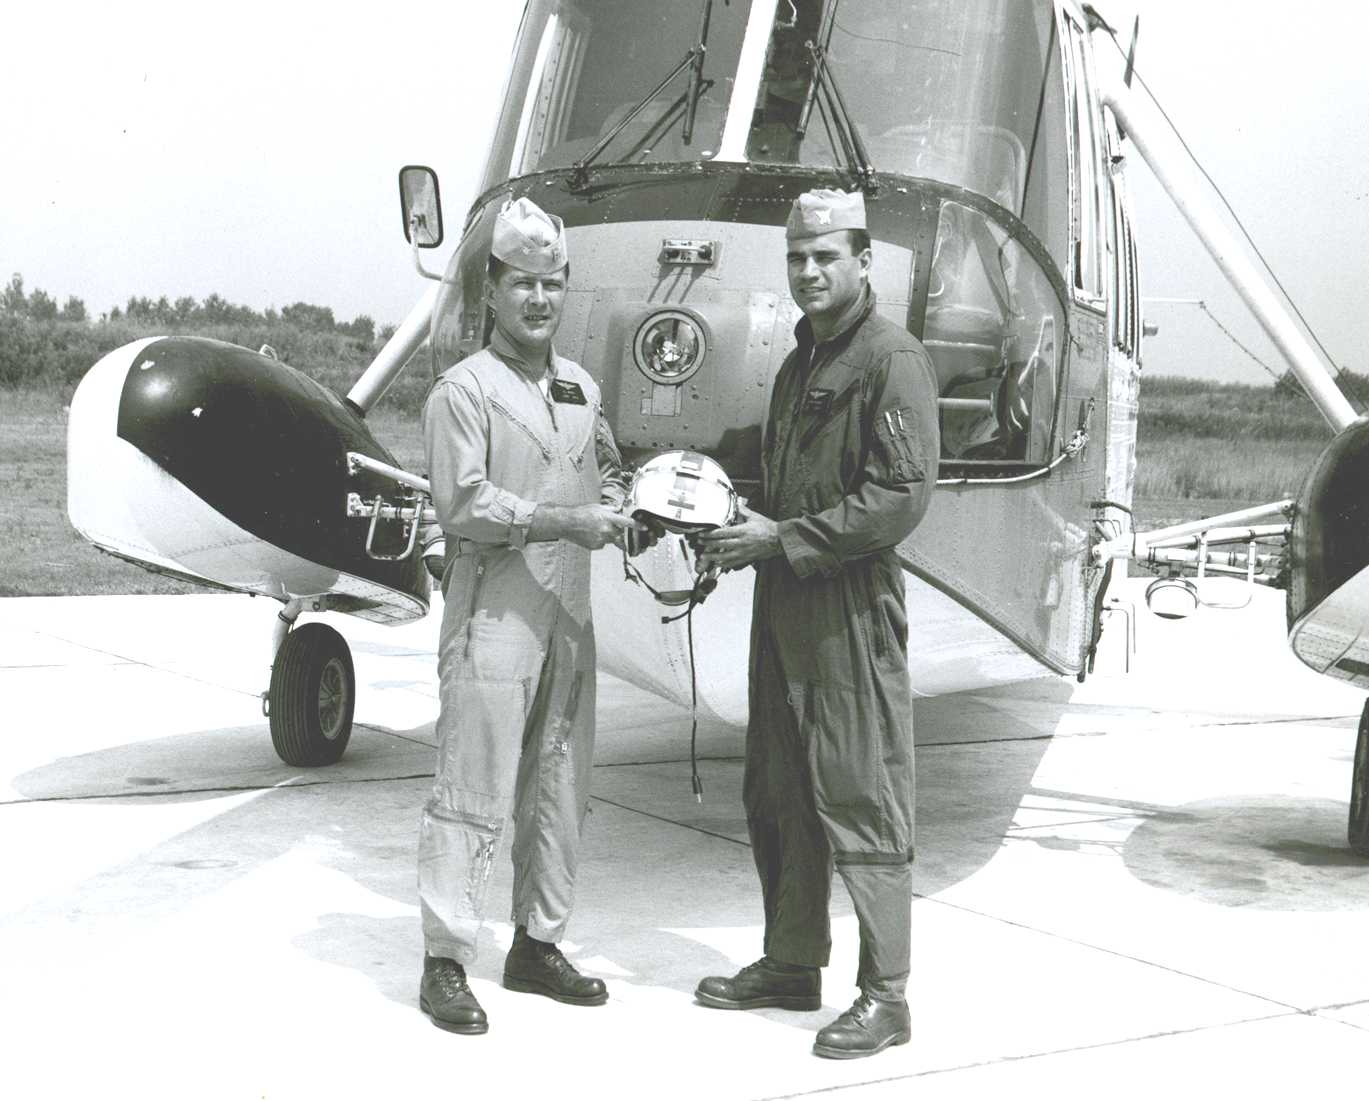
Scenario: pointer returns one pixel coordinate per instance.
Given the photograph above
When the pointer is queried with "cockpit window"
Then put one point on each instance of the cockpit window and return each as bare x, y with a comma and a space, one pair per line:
965, 92
582, 66
995, 331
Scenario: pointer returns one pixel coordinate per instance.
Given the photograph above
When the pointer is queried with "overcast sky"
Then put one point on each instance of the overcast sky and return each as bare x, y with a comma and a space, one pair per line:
253, 153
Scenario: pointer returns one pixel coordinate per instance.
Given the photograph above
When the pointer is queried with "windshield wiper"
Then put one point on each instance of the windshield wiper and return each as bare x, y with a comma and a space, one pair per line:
693, 60
852, 144
696, 72
827, 22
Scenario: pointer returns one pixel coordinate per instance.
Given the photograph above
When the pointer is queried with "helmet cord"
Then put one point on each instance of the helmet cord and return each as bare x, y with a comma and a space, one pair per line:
694, 781
703, 585
696, 598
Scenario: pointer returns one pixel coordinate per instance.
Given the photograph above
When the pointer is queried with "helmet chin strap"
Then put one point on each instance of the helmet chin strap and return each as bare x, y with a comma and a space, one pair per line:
704, 583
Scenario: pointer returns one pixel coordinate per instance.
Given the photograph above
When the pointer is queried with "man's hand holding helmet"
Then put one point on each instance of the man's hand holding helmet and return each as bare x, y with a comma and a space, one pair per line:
730, 548
646, 535
590, 526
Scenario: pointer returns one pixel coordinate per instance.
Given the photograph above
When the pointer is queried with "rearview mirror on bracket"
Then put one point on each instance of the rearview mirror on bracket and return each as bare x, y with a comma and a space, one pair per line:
421, 205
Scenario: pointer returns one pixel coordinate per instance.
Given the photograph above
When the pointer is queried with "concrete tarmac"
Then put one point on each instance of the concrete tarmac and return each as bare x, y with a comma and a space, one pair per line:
1137, 886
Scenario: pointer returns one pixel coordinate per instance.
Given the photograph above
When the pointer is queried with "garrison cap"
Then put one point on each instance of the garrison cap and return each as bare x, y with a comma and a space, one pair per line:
528, 238
823, 211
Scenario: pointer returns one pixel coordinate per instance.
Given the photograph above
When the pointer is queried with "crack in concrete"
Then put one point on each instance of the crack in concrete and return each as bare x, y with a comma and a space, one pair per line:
669, 761
223, 789
1111, 952
1214, 725
1102, 1045
124, 659
670, 821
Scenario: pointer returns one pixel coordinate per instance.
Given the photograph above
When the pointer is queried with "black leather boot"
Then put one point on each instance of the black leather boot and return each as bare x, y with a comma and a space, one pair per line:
765, 983
535, 967
868, 1027
445, 996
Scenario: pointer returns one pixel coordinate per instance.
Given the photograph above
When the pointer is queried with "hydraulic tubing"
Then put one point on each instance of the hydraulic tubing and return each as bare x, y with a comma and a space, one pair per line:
1136, 545
1181, 184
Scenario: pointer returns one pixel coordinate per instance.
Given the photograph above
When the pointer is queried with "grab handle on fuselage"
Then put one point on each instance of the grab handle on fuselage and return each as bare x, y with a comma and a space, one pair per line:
411, 524
411, 512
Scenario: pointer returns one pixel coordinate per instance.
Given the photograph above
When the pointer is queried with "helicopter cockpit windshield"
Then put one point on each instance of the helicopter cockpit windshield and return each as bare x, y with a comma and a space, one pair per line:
967, 94
949, 90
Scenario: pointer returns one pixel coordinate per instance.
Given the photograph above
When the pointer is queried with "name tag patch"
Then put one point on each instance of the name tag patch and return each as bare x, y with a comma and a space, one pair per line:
817, 402
567, 392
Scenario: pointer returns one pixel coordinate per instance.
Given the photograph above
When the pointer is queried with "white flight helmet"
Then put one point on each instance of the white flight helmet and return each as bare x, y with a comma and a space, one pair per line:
684, 491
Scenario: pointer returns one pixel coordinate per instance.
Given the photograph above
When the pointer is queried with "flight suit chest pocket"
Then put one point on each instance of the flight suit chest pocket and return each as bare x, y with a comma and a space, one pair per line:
896, 435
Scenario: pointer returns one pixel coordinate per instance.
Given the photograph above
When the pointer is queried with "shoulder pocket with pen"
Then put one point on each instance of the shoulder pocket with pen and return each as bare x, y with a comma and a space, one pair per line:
896, 434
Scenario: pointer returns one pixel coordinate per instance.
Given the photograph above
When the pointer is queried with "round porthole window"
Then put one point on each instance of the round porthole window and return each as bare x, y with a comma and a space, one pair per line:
670, 346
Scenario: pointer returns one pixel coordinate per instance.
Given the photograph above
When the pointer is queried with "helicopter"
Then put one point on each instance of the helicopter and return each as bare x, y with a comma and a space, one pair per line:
990, 142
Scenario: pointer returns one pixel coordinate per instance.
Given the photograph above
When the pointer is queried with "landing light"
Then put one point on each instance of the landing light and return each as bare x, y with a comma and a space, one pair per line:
670, 347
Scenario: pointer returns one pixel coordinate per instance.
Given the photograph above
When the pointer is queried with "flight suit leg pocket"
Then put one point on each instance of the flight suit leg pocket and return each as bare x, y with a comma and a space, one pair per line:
478, 754
456, 855
846, 759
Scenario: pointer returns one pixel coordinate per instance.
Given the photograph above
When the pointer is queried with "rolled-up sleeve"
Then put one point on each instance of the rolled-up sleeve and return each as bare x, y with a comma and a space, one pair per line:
901, 446
456, 433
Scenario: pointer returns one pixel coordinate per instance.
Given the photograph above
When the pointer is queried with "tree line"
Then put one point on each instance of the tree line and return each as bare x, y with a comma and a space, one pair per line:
185, 312
47, 344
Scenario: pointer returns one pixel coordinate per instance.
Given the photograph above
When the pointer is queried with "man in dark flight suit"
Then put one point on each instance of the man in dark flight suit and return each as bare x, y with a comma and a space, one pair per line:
849, 464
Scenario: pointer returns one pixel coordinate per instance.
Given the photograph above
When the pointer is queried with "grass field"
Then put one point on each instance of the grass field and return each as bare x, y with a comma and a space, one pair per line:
1203, 449
40, 553
1179, 479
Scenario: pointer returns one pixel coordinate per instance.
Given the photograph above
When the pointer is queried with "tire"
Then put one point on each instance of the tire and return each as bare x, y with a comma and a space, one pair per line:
312, 697
1358, 829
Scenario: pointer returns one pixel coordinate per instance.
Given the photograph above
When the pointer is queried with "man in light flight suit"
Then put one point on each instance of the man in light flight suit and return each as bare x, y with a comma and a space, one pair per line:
849, 463
526, 482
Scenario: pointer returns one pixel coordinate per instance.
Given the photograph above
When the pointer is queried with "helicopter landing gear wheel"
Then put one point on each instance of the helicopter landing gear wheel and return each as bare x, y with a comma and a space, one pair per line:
312, 696
1358, 829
